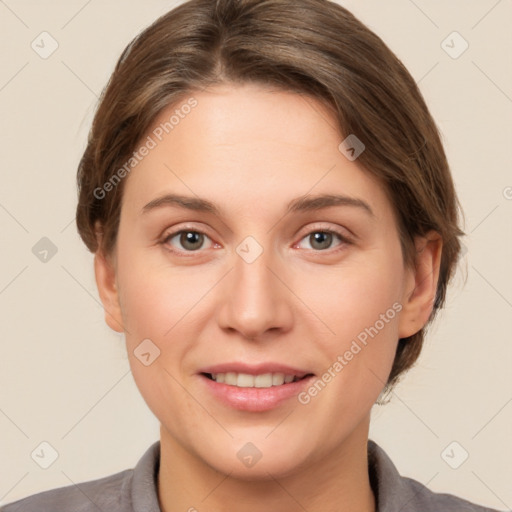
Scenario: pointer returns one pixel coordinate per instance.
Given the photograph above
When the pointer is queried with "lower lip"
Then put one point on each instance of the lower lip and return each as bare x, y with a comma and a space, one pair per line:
255, 399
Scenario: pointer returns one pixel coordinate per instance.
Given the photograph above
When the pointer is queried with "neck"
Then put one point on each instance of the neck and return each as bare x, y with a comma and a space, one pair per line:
338, 482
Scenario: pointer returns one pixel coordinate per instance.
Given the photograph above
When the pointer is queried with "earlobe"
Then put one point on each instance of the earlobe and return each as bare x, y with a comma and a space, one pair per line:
421, 285
107, 288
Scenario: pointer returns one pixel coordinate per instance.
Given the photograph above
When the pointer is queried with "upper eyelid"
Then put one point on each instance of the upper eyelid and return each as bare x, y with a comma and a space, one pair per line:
173, 232
338, 230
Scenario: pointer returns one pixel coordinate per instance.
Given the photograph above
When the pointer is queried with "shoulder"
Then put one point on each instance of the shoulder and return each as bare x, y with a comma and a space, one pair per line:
126, 491
422, 498
109, 493
395, 492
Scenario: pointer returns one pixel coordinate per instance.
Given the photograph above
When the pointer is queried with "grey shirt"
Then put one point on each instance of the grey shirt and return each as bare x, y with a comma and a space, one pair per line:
135, 490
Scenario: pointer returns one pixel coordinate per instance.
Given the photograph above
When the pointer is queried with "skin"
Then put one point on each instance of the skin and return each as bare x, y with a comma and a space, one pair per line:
251, 150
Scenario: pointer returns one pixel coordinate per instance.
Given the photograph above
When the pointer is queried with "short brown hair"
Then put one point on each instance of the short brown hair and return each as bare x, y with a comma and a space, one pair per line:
312, 47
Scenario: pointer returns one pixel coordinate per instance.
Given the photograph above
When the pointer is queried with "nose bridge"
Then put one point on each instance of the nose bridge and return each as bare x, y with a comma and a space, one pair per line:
255, 301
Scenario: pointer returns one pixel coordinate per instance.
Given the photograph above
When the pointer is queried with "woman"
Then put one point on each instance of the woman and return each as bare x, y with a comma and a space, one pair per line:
274, 225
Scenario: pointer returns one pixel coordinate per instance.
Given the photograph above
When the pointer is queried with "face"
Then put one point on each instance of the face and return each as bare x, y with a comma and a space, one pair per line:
279, 261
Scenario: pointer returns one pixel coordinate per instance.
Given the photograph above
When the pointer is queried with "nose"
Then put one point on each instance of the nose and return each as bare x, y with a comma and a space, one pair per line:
255, 301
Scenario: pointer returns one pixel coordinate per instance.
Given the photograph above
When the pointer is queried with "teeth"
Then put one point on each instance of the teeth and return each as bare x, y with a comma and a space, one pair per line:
277, 379
244, 380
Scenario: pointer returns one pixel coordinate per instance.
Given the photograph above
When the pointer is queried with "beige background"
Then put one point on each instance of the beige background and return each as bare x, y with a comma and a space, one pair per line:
64, 376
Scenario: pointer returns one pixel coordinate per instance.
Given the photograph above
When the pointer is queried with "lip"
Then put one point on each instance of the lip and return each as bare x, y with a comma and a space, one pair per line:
255, 369
254, 399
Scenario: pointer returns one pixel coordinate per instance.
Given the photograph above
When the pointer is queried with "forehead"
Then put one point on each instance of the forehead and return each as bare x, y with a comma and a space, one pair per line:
248, 147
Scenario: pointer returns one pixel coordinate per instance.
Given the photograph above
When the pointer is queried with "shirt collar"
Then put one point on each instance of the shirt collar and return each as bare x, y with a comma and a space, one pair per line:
144, 492
388, 486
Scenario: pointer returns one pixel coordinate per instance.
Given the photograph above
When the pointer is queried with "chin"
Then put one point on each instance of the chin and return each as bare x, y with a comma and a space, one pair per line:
265, 469
252, 457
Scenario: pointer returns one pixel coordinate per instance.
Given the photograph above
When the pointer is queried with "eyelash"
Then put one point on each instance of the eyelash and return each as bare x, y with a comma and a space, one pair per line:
344, 241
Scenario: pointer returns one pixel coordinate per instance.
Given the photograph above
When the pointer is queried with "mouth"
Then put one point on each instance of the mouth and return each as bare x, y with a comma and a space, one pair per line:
263, 389
263, 380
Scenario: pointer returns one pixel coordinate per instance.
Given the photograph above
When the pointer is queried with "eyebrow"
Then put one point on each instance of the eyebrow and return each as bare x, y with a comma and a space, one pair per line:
300, 204
312, 203
188, 202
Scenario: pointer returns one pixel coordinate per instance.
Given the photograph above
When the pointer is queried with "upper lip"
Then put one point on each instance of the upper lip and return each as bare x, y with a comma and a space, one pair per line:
255, 369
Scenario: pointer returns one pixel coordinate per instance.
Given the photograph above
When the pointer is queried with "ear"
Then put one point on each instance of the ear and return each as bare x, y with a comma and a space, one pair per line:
104, 270
421, 285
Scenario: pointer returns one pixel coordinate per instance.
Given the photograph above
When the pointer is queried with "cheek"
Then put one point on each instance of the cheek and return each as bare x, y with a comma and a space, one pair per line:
157, 304
154, 296
352, 296
360, 303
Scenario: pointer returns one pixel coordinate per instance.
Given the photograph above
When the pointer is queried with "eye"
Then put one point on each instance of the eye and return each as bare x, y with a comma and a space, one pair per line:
322, 239
188, 240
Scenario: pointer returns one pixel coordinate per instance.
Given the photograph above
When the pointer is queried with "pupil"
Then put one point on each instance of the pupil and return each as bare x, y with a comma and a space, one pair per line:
190, 239
323, 239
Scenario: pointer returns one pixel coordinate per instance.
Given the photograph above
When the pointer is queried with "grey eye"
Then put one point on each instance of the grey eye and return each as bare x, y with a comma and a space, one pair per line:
320, 240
